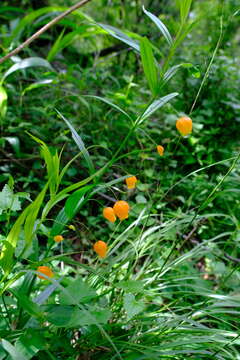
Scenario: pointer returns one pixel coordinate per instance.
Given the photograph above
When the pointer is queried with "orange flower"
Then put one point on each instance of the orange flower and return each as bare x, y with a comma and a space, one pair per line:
100, 247
45, 270
184, 125
131, 182
58, 238
121, 209
160, 150
108, 213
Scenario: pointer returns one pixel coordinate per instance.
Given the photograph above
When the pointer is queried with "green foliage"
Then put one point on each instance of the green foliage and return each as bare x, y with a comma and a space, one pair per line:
168, 287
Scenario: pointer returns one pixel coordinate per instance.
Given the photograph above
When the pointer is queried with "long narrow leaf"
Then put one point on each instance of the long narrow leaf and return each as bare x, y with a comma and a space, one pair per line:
149, 65
79, 143
111, 104
116, 33
157, 104
27, 63
160, 26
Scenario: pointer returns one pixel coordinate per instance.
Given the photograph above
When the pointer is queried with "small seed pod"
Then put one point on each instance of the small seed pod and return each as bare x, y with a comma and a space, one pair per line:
45, 270
131, 182
184, 125
100, 247
58, 238
160, 150
109, 214
121, 209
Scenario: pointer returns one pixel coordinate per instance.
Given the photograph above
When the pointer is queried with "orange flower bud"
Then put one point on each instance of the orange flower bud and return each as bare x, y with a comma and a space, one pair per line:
46, 271
184, 125
108, 213
58, 238
160, 150
131, 182
100, 247
121, 209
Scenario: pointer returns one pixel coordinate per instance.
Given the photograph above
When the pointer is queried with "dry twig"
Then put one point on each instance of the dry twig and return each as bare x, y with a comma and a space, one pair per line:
43, 29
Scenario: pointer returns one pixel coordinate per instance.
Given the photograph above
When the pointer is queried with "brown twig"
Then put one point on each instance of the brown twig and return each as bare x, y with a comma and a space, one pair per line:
43, 29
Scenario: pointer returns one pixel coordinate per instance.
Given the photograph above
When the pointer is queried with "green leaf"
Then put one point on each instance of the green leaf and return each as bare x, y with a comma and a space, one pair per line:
55, 47
157, 104
93, 316
3, 101
59, 223
79, 143
75, 200
30, 343
116, 33
184, 6
53, 164
149, 66
59, 315
77, 292
109, 103
26, 63
27, 304
15, 143
132, 306
9, 201
132, 286
160, 25
37, 85
11, 350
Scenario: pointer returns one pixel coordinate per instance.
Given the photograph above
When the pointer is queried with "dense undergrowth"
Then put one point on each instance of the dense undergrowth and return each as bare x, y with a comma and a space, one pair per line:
82, 109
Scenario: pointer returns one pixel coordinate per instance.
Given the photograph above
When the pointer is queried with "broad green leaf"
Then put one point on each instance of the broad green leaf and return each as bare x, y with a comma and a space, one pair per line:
27, 63
160, 25
132, 286
149, 65
59, 223
132, 306
27, 304
59, 315
3, 101
116, 33
8, 201
71, 316
157, 104
77, 292
11, 350
80, 144
30, 343
93, 316
75, 200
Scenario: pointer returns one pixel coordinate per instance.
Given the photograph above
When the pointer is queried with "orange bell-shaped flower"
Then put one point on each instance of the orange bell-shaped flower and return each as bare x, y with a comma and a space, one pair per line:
109, 214
131, 182
45, 270
58, 238
121, 209
100, 247
184, 125
160, 150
